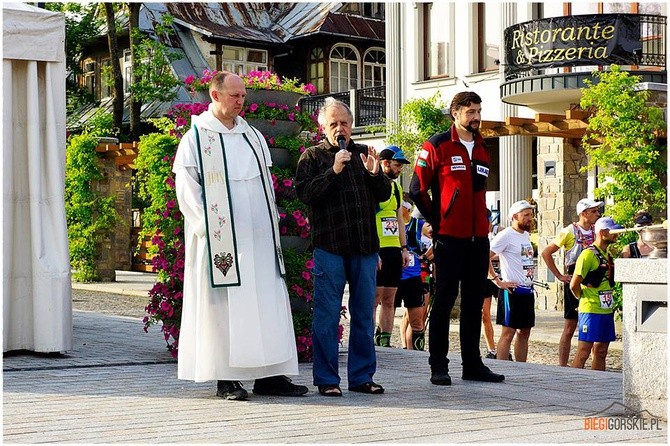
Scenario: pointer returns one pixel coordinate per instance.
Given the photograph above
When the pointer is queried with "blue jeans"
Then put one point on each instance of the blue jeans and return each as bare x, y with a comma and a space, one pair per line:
331, 272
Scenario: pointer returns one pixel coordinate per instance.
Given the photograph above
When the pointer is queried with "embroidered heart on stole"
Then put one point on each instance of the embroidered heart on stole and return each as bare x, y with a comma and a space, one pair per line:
223, 262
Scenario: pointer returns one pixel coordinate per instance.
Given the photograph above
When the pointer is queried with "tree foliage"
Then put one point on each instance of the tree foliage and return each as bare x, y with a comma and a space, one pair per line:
418, 120
90, 216
82, 26
630, 156
153, 76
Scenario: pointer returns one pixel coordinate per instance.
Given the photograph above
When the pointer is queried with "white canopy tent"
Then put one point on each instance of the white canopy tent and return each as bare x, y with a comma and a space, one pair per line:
36, 287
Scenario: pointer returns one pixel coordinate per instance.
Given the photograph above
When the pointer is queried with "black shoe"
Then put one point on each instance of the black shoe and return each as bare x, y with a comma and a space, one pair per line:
278, 386
491, 354
440, 378
231, 390
482, 373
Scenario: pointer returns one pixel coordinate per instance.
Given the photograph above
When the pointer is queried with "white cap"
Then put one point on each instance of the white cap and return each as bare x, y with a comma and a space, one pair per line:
407, 205
416, 213
587, 203
518, 207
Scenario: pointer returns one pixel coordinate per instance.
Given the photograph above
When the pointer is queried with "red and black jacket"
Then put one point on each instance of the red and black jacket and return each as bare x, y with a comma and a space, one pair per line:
457, 183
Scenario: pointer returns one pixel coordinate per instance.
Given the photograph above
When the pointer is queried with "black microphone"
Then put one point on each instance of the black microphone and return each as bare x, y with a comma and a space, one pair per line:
342, 142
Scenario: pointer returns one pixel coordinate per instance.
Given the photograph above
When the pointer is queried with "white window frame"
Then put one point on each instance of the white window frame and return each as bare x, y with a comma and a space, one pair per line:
374, 82
127, 72
333, 61
239, 66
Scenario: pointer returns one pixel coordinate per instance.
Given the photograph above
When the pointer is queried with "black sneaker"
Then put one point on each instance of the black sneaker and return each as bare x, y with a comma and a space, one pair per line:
491, 354
231, 390
440, 378
278, 386
378, 332
482, 373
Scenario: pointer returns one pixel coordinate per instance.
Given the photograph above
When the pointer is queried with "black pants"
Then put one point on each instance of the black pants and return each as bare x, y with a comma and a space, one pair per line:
464, 262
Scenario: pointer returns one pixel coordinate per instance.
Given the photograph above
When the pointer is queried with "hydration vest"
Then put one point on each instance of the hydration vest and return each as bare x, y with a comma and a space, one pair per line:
595, 277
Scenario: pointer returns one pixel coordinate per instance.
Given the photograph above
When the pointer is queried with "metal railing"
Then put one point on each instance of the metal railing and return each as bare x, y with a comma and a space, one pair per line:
368, 105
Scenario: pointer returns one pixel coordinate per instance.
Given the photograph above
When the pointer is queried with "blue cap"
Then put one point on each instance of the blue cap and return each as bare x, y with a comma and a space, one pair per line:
393, 153
606, 223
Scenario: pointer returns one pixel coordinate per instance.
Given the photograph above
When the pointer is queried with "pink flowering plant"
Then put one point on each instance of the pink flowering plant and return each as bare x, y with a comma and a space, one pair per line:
273, 112
267, 80
294, 223
284, 186
300, 290
180, 117
194, 84
254, 80
163, 225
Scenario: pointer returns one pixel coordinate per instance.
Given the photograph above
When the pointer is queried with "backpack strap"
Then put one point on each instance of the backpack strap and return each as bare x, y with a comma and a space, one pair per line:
595, 277
396, 191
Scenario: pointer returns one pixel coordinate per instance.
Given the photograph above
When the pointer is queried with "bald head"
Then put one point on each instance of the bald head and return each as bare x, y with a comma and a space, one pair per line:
227, 91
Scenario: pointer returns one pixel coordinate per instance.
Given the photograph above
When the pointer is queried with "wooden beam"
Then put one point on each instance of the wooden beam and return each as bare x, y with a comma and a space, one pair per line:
102, 148
577, 114
124, 159
547, 117
513, 120
486, 125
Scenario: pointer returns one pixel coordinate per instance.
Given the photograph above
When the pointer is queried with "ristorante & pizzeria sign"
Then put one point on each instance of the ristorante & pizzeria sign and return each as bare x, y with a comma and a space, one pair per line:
598, 39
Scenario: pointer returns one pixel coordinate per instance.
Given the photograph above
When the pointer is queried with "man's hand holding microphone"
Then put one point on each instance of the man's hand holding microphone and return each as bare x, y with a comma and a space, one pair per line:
343, 156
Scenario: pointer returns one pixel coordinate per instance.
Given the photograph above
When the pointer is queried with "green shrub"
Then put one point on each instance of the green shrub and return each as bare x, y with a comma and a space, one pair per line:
89, 215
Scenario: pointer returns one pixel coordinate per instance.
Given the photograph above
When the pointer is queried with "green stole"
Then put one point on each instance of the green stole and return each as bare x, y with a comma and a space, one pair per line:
219, 217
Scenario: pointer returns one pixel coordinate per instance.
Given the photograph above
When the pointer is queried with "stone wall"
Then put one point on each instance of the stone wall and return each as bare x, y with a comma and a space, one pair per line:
115, 251
645, 335
559, 190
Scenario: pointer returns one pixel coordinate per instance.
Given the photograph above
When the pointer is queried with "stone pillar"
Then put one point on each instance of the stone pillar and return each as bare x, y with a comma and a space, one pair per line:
645, 335
560, 187
516, 172
516, 156
393, 60
115, 251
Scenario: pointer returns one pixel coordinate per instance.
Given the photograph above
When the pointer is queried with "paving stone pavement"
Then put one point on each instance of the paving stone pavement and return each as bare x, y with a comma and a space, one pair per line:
119, 385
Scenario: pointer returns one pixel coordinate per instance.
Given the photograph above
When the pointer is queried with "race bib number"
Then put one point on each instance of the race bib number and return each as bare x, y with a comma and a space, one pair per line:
412, 261
389, 226
605, 298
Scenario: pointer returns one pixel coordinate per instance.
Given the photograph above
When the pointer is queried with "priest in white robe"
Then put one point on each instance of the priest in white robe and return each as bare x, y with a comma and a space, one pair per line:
236, 317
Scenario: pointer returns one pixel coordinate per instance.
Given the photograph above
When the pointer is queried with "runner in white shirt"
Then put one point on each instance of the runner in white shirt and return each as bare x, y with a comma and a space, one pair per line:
516, 303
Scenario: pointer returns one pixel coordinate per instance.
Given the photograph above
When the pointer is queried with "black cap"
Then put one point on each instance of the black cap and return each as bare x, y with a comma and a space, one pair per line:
643, 218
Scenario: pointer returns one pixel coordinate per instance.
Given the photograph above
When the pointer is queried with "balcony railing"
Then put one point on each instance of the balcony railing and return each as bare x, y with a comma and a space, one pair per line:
368, 105
585, 42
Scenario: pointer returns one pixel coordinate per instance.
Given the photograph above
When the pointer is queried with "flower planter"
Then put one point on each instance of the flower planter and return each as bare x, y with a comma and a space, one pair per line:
293, 241
278, 97
272, 129
299, 305
282, 158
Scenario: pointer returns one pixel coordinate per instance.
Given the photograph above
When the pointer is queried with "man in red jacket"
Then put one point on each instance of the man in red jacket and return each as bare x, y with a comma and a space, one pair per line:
454, 166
